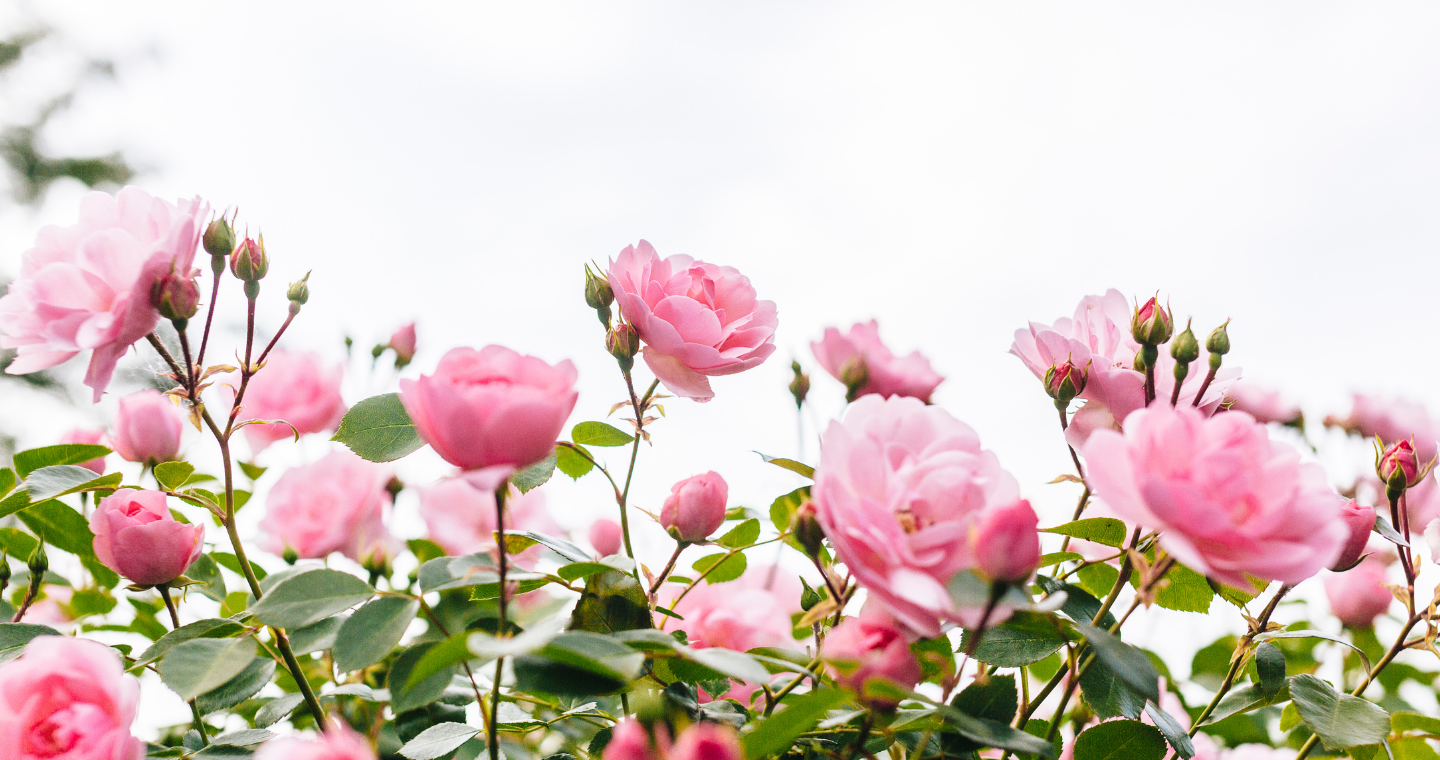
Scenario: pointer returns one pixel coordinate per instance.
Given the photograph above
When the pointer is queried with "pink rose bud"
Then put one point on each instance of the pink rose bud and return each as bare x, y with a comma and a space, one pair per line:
1398, 467
491, 407
68, 697
695, 507
249, 262
1065, 381
623, 343
300, 388
137, 537
147, 428
605, 536
1151, 324
799, 384
871, 646
806, 528
176, 297
79, 435
1359, 596
340, 742
707, 741
1007, 543
87, 287
1360, 520
403, 344
628, 741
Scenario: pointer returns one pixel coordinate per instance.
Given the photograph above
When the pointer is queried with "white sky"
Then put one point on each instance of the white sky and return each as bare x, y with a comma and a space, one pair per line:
951, 169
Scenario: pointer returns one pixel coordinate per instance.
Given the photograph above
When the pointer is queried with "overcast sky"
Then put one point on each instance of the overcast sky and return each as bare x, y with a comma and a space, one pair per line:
950, 169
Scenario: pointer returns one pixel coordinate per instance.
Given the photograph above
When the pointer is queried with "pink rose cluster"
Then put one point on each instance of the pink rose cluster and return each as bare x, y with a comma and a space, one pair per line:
860, 360
700, 741
336, 504
87, 287
901, 491
697, 320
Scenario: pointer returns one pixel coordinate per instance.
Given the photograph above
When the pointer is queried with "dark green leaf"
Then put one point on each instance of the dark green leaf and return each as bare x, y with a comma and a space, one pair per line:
599, 434
773, 735
172, 475
61, 526
991, 733
1107, 695
1246, 699
996, 699
1270, 666
191, 668
1171, 729
209, 628
535, 475
14, 637
1079, 605
1120, 740
1101, 530
31, 460
1340, 720
428, 690
379, 429
612, 601
238, 689
212, 583
1128, 663
791, 465
277, 709
741, 535
305, 598
572, 462
369, 634
1308, 634
578, 664
438, 741
1026, 638
728, 570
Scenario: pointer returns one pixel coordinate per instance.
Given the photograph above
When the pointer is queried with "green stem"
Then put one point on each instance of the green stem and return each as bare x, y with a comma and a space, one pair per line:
1238, 659
494, 734
175, 623
1390, 654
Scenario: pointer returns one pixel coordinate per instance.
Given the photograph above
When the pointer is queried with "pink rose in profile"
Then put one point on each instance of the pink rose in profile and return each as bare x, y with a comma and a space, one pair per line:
867, 647
751, 611
1007, 543
299, 388
898, 489
606, 536
1099, 336
630, 741
403, 344
68, 698
860, 360
492, 407
137, 537
87, 287
340, 742
461, 518
147, 428
1262, 402
1360, 522
1228, 500
1392, 420
1358, 596
334, 505
695, 507
79, 435
697, 320
706, 741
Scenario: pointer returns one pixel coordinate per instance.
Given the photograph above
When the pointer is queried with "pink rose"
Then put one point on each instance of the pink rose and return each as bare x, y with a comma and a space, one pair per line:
1228, 500
606, 537
299, 388
403, 344
1358, 596
1262, 402
78, 435
1099, 336
334, 505
697, 320
1007, 543
340, 742
867, 647
1399, 457
147, 428
68, 698
707, 741
137, 537
87, 287
898, 489
629, 741
491, 407
695, 507
865, 364
1391, 420
461, 518
751, 611
1360, 522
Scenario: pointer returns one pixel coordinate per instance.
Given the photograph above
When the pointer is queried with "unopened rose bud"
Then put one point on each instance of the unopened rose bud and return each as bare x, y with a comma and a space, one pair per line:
299, 293
1064, 382
799, 385
219, 238
1007, 543
806, 529
38, 563
598, 294
695, 507
1400, 468
1185, 349
249, 262
290, 555
402, 342
855, 375
4, 571
1218, 344
177, 298
1360, 520
623, 342
1151, 325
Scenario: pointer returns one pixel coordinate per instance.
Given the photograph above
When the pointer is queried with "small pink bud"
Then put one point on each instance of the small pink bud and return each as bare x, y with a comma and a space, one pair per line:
1399, 467
175, 297
1151, 324
147, 428
605, 536
707, 741
1360, 520
1007, 544
871, 646
249, 262
1065, 381
623, 342
403, 344
695, 507
806, 528
137, 537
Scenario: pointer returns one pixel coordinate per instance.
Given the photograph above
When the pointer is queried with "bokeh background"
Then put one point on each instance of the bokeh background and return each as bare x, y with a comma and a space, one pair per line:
953, 170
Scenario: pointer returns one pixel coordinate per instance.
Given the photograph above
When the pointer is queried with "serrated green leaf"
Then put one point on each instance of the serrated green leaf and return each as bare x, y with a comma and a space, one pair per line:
252, 471
572, 462
798, 714
612, 601
379, 429
1270, 666
191, 668
741, 535
302, 599
1026, 638
1120, 740
31, 460
1102, 530
1172, 730
599, 434
62, 526
1340, 720
369, 634
1128, 663
535, 475
991, 733
246, 684
438, 740
172, 475
728, 567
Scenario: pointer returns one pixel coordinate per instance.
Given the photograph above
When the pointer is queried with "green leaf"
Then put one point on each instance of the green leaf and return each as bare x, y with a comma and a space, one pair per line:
728, 570
1308, 634
782, 510
212, 583
194, 667
1079, 605
442, 655
318, 636
535, 475
428, 689
209, 628
31, 460
1128, 663
737, 665
438, 740
14, 502
62, 479
1246, 699
773, 735
305, 598
1270, 666
1401, 722
578, 664
172, 475
996, 699
1340, 720
379, 429
252, 471
1174, 733
1055, 558
369, 634
7, 480
1183, 590
1236, 596
231, 563
560, 546
791, 465
612, 601
17, 543
62, 527
14, 637
1107, 695
992, 733
243, 686
1026, 638
1098, 579
1101, 530
741, 535
1120, 740
586, 569
277, 709
599, 434
572, 462
477, 571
